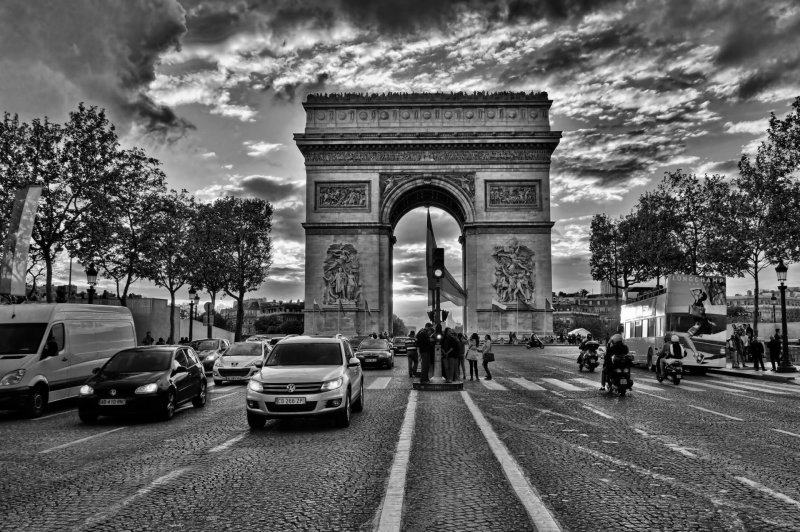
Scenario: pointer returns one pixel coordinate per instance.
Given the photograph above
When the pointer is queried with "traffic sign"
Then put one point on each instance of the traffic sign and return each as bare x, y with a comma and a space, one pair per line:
207, 306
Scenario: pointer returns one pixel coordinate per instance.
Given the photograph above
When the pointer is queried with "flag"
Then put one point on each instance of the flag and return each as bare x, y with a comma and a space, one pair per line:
450, 289
366, 307
316, 306
14, 266
496, 305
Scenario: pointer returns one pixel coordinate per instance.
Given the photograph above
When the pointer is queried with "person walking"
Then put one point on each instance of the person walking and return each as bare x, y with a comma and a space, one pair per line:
774, 348
745, 348
472, 354
732, 351
463, 344
148, 339
425, 350
411, 354
757, 350
487, 355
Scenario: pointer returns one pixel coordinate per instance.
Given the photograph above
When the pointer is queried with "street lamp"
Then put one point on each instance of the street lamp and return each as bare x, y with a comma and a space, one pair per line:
785, 366
192, 295
91, 279
774, 300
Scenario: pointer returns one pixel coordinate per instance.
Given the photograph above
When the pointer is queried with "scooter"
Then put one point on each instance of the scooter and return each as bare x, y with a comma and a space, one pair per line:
673, 370
534, 342
619, 374
589, 356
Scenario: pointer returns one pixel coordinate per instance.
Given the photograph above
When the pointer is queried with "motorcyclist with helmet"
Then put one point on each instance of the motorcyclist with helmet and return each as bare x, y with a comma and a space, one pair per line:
672, 349
615, 347
583, 347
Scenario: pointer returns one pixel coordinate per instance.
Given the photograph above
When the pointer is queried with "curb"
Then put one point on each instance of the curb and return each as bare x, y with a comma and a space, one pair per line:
750, 374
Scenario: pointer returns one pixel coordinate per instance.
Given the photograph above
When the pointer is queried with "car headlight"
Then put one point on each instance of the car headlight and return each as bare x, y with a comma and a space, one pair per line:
86, 390
218, 362
12, 377
332, 385
147, 388
255, 386
384, 355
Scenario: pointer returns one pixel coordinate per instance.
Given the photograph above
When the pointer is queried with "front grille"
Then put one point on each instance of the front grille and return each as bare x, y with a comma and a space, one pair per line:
125, 391
234, 372
308, 407
299, 388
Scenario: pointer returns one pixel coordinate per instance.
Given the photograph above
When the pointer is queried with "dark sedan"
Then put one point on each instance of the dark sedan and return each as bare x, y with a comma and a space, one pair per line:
375, 352
144, 380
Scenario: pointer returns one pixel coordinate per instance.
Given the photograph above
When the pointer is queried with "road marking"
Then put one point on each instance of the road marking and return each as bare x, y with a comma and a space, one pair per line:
54, 415
391, 509
651, 394
557, 393
789, 433
225, 445
527, 494
561, 370
639, 384
79, 441
754, 388
598, 412
220, 390
768, 491
681, 450
492, 385
217, 398
564, 385
114, 508
528, 385
691, 388
716, 413
379, 383
587, 382
788, 388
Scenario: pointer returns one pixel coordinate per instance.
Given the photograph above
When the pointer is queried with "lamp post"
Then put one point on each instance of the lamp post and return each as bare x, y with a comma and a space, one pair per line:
774, 300
785, 366
91, 279
192, 295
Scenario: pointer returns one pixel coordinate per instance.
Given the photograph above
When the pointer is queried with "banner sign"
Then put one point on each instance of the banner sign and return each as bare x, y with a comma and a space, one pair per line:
14, 265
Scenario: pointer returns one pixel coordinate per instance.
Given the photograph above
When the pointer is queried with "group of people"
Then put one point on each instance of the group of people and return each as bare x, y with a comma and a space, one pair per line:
149, 340
743, 343
456, 348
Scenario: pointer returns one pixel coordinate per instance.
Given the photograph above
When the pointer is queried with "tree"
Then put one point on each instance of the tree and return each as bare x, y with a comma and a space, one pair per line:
266, 324
613, 255
398, 326
291, 327
654, 242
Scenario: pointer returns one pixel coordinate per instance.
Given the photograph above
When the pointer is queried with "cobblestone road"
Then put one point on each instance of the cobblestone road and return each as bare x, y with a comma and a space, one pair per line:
539, 444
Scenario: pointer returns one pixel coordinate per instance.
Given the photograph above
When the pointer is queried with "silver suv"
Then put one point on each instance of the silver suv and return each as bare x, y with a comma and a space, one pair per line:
307, 376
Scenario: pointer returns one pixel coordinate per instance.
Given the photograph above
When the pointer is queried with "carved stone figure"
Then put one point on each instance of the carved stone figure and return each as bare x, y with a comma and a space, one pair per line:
514, 273
513, 194
342, 195
341, 275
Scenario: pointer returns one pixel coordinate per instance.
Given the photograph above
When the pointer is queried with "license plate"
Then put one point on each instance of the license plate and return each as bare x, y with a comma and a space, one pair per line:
112, 402
623, 381
290, 400
235, 378
373, 359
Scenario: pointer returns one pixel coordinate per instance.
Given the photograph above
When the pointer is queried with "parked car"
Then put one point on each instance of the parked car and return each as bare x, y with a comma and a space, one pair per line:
144, 380
258, 338
375, 352
240, 361
307, 376
400, 346
48, 350
209, 350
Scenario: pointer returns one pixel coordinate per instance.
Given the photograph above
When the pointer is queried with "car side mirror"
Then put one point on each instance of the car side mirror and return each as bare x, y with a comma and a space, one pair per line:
260, 364
50, 350
353, 363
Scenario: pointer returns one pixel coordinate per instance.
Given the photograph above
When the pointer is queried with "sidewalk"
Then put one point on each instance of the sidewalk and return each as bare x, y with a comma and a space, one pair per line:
749, 373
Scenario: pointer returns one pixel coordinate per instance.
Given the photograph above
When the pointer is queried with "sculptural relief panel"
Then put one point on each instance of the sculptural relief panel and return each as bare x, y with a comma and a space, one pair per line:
411, 156
511, 195
342, 195
341, 273
514, 273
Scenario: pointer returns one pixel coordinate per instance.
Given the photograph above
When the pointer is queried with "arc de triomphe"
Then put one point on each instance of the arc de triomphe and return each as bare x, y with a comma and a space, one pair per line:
484, 158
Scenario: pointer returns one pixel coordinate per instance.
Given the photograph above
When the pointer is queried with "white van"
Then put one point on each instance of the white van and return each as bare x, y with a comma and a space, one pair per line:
47, 351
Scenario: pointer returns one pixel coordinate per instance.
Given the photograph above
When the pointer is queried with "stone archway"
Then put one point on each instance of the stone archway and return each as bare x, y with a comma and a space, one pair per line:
483, 158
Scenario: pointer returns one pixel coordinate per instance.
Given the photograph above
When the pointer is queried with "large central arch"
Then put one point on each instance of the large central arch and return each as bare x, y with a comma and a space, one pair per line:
482, 158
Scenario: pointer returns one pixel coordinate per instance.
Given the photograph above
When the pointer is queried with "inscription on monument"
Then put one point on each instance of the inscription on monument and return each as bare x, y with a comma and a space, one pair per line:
414, 156
341, 272
514, 278
505, 195
346, 195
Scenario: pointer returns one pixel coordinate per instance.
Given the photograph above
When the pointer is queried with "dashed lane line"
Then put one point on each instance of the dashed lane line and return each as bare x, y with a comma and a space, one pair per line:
54, 415
493, 385
225, 445
737, 393
638, 385
564, 385
391, 510
637, 391
763, 489
588, 382
716, 413
598, 412
223, 390
561, 370
682, 450
528, 385
786, 432
754, 388
79, 441
380, 383
218, 397
542, 519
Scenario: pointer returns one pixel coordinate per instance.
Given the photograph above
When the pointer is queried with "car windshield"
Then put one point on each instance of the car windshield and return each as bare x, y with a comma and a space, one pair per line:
21, 338
139, 360
251, 349
205, 345
374, 343
306, 354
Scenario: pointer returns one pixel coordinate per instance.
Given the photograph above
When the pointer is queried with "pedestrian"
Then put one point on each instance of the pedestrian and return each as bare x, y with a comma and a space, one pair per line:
449, 349
463, 343
425, 351
757, 350
487, 355
148, 339
737, 337
161, 341
732, 352
745, 348
774, 348
411, 354
472, 355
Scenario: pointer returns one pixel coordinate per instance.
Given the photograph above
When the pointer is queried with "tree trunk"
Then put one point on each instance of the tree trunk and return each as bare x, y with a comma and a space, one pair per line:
755, 304
239, 317
210, 315
48, 286
171, 339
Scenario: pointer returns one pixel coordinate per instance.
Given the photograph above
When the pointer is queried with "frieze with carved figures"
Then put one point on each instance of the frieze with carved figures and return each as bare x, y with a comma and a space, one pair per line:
341, 272
422, 156
347, 195
464, 180
514, 273
509, 195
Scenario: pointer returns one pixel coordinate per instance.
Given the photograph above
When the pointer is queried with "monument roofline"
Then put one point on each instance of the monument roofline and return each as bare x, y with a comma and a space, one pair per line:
425, 98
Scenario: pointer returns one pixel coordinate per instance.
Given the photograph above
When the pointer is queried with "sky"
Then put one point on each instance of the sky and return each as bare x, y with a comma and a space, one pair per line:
214, 90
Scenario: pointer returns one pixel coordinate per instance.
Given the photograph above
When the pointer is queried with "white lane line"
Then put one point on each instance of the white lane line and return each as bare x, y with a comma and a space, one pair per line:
391, 509
54, 415
79, 441
716, 413
587, 382
564, 385
760, 487
114, 508
223, 390
218, 397
225, 445
754, 388
691, 388
788, 388
651, 395
598, 412
542, 519
380, 383
737, 393
528, 385
493, 385
789, 433
561, 370
681, 450
638, 384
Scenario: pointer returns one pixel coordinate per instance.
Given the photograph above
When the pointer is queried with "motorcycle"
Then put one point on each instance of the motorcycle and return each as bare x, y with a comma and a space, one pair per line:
534, 342
673, 370
619, 374
589, 357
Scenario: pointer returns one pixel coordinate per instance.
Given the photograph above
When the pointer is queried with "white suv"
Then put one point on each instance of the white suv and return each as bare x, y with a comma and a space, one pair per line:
307, 376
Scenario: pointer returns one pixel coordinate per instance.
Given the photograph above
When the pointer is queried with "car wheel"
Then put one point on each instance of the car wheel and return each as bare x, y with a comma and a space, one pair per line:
358, 406
200, 400
87, 416
255, 421
342, 418
168, 410
37, 402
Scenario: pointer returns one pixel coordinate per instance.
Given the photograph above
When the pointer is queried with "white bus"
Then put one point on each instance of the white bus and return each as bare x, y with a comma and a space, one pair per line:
690, 306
